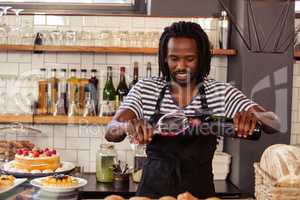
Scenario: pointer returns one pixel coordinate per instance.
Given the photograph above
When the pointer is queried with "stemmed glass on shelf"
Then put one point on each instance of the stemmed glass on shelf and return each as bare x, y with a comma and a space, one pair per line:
4, 27
14, 35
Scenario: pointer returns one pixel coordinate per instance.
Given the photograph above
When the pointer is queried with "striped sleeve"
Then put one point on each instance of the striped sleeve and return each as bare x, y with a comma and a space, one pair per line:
133, 100
235, 101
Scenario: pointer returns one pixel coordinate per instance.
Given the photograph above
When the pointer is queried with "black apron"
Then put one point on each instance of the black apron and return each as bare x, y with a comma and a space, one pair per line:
178, 164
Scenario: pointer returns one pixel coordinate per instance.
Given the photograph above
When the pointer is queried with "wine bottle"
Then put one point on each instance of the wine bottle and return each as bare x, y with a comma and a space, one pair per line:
135, 74
221, 126
89, 106
42, 93
122, 88
61, 105
38, 41
109, 95
148, 70
83, 83
52, 92
94, 85
73, 97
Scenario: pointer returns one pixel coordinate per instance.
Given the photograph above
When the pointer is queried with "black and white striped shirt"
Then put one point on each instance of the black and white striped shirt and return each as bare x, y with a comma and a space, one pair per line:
222, 98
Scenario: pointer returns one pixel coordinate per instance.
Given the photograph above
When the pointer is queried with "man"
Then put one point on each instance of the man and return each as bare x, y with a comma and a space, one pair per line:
183, 162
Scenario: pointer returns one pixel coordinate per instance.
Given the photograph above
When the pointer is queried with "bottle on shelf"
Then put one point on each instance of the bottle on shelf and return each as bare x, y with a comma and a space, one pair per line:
135, 74
94, 86
42, 93
52, 92
61, 105
73, 93
223, 30
108, 107
89, 106
148, 70
122, 88
83, 83
38, 40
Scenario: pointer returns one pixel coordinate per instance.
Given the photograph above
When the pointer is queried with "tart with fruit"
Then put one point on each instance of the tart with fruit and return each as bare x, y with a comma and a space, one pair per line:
37, 160
60, 180
6, 180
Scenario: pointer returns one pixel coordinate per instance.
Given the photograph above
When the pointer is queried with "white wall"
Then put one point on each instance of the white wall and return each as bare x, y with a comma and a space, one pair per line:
79, 144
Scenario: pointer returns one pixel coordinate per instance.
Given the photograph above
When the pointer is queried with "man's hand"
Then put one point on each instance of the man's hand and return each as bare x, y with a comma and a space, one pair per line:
245, 123
140, 131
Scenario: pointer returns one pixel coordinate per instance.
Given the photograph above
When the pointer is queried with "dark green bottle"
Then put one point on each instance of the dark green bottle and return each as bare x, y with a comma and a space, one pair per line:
109, 95
122, 88
135, 74
222, 126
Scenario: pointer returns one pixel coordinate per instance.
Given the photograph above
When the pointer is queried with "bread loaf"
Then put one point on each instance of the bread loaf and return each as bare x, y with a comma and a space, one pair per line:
282, 162
167, 198
113, 197
186, 196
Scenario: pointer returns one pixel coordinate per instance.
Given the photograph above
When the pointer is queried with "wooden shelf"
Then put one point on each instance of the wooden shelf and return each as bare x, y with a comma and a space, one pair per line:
47, 119
16, 118
138, 50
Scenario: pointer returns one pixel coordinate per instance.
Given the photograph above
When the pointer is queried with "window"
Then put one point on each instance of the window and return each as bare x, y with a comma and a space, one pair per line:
79, 6
297, 6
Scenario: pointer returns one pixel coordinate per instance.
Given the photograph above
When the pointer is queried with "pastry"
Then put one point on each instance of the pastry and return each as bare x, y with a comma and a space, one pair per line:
167, 198
6, 180
186, 196
60, 180
139, 198
113, 197
36, 159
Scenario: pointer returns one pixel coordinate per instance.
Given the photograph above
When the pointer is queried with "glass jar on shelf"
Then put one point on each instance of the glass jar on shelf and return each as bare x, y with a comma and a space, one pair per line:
105, 159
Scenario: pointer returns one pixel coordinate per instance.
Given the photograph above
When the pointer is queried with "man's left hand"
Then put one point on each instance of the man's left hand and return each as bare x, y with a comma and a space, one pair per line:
245, 123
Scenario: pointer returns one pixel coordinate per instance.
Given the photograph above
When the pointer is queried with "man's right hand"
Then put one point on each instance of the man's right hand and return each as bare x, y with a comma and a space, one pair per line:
139, 130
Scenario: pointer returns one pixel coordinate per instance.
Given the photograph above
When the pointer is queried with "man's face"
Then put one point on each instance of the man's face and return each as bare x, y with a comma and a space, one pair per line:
182, 59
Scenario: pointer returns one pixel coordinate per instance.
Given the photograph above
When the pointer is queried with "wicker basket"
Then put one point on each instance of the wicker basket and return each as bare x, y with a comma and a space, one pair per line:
266, 188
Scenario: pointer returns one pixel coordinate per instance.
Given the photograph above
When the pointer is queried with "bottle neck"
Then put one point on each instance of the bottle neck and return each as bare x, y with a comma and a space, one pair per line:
73, 75
43, 75
64, 75
53, 74
148, 74
109, 75
135, 74
122, 76
83, 75
93, 75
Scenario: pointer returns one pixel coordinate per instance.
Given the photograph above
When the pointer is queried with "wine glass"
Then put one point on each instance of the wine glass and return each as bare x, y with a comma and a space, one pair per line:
4, 19
14, 35
4, 28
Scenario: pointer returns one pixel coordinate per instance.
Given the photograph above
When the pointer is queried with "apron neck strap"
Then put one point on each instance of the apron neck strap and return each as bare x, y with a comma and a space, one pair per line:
203, 99
160, 97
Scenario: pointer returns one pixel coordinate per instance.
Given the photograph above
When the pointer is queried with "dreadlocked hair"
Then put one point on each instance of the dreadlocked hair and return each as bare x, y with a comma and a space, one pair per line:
188, 30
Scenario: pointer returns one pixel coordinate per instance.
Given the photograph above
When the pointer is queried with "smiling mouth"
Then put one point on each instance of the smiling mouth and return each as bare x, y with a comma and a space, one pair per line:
182, 76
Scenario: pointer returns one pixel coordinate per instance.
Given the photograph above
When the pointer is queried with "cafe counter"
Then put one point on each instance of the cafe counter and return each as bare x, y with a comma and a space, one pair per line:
94, 190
